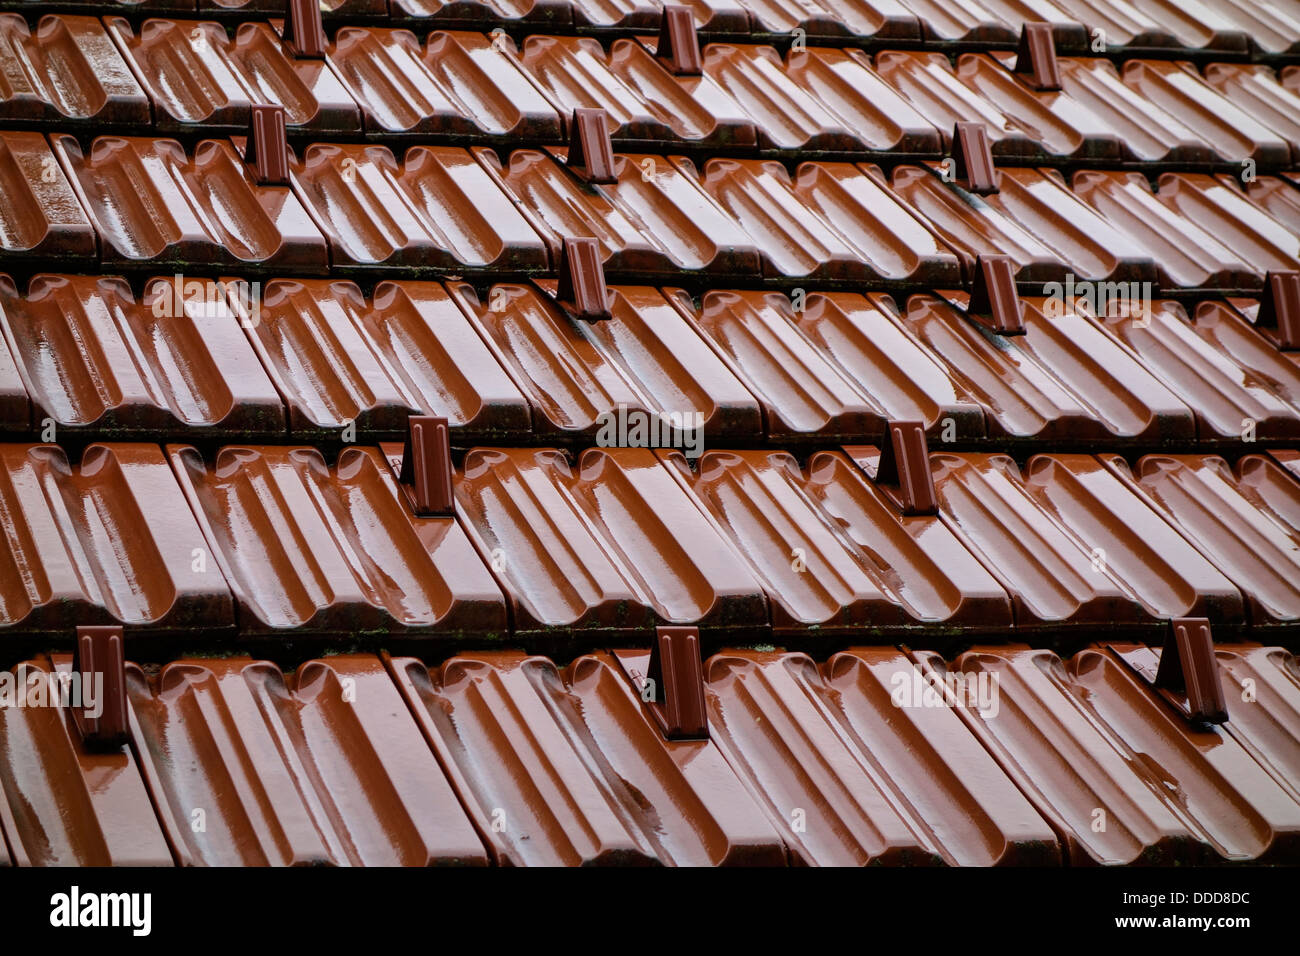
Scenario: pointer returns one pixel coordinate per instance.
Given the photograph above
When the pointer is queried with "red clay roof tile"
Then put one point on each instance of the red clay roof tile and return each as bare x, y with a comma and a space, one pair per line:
143, 195
655, 219
565, 767
437, 209
171, 365
1245, 519
458, 83
831, 221
78, 75
42, 218
1071, 734
643, 101
1210, 116
834, 554
322, 766
1034, 218
1229, 374
199, 78
65, 804
858, 18
613, 543
324, 549
109, 541
581, 377
1065, 379
346, 362
849, 777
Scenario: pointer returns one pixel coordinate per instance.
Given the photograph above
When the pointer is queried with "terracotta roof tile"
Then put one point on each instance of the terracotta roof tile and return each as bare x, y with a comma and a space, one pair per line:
833, 552
346, 362
42, 218
174, 363
644, 102
582, 377
562, 767
143, 196
965, 337
200, 78
850, 777
333, 550
612, 544
76, 76
322, 766
459, 83
66, 804
436, 209
1244, 519
151, 571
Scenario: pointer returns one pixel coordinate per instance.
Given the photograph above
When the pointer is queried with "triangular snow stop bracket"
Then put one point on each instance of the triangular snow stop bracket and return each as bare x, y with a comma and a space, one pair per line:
679, 43
673, 689
304, 33
1279, 307
267, 148
904, 469
1036, 58
972, 159
100, 651
582, 289
591, 153
1188, 667
426, 466
994, 299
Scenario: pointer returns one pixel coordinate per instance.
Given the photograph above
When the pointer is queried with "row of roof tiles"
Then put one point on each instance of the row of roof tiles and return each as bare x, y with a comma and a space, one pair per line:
275, 540
1231, 26
140, 202
877, 755
192, 76
500, 757
316, 359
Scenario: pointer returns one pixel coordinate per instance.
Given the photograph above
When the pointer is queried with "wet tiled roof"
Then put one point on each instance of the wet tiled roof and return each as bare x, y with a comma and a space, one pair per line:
550, 432
507, 757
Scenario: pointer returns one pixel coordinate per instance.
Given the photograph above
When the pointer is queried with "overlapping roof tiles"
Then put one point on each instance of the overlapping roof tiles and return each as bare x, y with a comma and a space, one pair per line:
556, 432
506, 757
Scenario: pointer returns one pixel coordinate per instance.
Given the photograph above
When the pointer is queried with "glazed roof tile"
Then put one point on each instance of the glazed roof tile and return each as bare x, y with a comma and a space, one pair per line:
108, 541
838, 367
42, 218
1065, 379
171, 364
66, 804
436, 209
643, 100
562, 767
830, 221
833, 552
458, 83
655, 219
154, 204
613, 543
1244, 519
321, 766
344, 360
845, 333
823, 747
318, 549
580, 376
198, 77
66, 70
